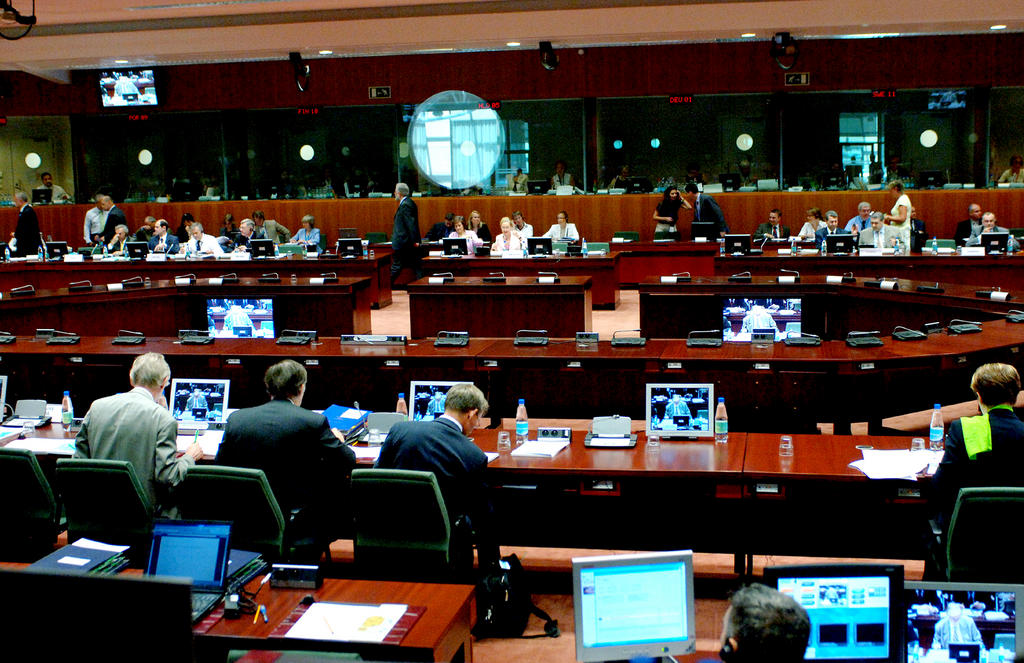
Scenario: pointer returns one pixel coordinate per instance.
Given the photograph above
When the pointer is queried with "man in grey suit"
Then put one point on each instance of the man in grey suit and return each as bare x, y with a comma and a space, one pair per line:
137, 426
271, 229
878, 235
442, 446
955, 628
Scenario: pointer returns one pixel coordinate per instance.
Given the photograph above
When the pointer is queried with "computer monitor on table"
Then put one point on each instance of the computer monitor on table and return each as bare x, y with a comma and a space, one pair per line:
240, 318
136, 250
856, 610
707, 230
737, 245
990, 607
539, 246
261, 248
636, 605
931, 179
198, 403
349, 247
995, 242
427, 398
730, 181
42, 196
743, 315
842, 243
456, 246
537, 187
57, 250
680, 410
638, 185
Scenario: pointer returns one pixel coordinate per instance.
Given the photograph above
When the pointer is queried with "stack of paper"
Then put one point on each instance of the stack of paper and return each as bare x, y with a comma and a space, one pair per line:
895, 463
348, 622
543, 449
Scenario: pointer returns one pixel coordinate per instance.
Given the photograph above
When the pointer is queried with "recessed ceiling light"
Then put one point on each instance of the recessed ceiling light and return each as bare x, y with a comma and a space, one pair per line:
748, 34
513, 43
120, 61
998, 27
326, 52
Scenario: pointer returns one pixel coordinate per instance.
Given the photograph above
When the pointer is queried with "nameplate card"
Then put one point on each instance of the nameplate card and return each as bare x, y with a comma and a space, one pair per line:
182, 280
785, 252
241, 256
511, 255
700, 240
618, 240
215, 281
436, 280
999, 295
787, 279
670, 279
156, 257
974, 251
870, 252
115, 287
833, 279
435, 254
547, 279
316, 280
74, 257
888, 285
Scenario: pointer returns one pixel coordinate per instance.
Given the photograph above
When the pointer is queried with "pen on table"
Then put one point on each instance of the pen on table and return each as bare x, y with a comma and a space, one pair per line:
328, 624
256, 615
263, 611
265, 580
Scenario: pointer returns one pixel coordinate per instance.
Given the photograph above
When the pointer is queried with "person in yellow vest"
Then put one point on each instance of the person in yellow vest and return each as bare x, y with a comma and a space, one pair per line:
984, 450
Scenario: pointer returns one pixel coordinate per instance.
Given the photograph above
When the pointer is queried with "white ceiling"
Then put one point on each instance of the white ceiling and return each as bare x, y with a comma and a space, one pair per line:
97, 33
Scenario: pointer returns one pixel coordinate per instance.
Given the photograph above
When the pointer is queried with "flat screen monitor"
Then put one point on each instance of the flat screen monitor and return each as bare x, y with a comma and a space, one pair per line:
704, 229
537, 187
633, 606
240, 318
832, 180
426, 399
947, 99
56, 250
539, 246
127, 87
933, 606
841, 243
856, 610
153, 616
136, 250
744, 316
737, 245
730, 181
455, 246
638, 185
995, 242
42, 196
680, 410
199, 400
350, 247
261, 248
930, 179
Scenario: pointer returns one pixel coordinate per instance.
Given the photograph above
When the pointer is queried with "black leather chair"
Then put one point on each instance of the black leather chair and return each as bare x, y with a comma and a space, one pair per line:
979, 544
29, 512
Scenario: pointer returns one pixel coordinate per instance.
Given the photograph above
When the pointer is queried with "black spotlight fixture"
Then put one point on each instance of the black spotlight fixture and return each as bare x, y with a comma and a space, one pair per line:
548, 57
301, 70
785, 50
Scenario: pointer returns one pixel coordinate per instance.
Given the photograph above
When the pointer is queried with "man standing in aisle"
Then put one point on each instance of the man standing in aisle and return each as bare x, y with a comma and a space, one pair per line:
26, 233
115, 217
705, 208
95, 220
405, 237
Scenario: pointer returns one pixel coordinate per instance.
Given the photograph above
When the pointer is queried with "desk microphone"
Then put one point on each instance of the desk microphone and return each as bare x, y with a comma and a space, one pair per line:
789, 279
22, 290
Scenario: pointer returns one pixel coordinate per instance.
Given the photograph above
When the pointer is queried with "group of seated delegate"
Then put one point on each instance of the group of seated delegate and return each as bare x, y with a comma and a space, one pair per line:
513, 230
307, 463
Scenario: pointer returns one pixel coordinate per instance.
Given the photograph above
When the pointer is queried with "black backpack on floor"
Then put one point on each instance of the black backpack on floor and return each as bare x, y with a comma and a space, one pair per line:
504, 604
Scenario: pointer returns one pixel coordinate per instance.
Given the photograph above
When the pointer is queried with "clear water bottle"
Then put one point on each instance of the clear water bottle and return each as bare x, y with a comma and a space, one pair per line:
401, 407
522, 422
277, 251
721, 422
39, 253
824, 246
936, 431
106, 250
721, 247
897, 248
792, 246
7, 252
67, 411
935, 245
366, 250
583, 248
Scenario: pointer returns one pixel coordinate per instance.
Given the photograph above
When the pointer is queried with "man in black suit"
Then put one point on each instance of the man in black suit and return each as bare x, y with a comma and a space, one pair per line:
162, 240
405, 237
705, 208
441, 229
26, 233
304, 460
970, 225
772, 228
115, 217
442, 446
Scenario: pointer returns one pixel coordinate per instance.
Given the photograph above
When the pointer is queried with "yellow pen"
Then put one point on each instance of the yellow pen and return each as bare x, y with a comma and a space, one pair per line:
257, 615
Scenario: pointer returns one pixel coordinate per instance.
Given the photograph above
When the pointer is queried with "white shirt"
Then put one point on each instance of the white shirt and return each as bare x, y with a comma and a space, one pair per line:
525, 231
208, 244
515, 243
95, 220
555, 232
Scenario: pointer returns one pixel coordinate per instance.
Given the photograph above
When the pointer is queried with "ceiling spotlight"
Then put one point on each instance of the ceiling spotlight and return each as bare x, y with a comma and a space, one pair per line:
998, 27
548, 57
784, 49
513, 43
301, 70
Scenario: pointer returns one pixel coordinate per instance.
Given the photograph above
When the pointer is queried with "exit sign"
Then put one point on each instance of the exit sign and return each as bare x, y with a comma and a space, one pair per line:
380, 92
802, 78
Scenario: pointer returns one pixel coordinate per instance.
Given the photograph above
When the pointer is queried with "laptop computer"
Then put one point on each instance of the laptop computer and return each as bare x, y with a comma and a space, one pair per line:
199, 404
196, 550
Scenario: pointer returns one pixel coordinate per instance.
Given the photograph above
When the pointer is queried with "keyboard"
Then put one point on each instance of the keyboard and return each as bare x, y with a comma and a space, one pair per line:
203, 603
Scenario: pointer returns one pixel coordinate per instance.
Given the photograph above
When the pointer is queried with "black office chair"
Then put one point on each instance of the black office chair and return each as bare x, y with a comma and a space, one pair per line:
402, 529
376, 237
29, 513
629, 235
977, 549
105, 501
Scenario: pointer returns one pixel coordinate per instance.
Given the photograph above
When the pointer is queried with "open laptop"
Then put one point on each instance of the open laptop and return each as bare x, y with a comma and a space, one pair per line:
199, 404
196, 550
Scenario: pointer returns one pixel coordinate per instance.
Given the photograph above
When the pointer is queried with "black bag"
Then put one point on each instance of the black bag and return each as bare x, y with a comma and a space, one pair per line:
504, 604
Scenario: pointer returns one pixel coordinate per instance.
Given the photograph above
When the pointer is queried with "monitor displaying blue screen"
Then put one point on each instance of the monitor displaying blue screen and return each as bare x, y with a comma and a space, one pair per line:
747, 318
633, 605
240, 318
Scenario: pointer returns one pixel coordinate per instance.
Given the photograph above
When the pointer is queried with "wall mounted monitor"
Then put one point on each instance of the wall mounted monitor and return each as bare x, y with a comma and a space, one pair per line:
856, 610
947, 99
127, 87
240, 318
633, 606
680, 410
743, 316
539, 246
198, 402
984, 614
426, 399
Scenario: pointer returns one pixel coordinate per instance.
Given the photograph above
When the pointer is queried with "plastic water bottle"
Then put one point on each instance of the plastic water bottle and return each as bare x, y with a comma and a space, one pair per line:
366, 250
583, 248
824, 246
897, 248
67, 411
792, 246
277, 251
7, 252
721, 247
39, 253
522, 422
935, 245
401, 407
721, 422
105, 251
936, 431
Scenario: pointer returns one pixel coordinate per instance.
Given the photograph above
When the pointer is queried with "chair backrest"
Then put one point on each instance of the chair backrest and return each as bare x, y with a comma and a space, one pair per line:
1017, 232
946, 243
240, 495
598, 246
560, 246
663, 234
28, 508
981, 516
631, 235
376, 237
104, 500
290, 249
401, 524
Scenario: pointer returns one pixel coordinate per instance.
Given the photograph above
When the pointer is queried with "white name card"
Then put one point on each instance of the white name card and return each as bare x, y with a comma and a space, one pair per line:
435, 280
833, 279
785, 252
545, 279
217, 281
887, 285
182, 281
115, 287
1000, 296
787, 279
156, 257
316, 280
973, 251
700, 240
670, 279
618, 240
869, 252
946, 250
74, 257
241, 256
435, 254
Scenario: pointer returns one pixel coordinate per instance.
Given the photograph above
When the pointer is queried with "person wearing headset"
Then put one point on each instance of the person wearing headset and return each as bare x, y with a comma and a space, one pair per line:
763, 624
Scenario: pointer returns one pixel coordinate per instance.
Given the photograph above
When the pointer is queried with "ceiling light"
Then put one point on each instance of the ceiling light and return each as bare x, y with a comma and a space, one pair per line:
326, 52
512, 43
747, 35
998, 27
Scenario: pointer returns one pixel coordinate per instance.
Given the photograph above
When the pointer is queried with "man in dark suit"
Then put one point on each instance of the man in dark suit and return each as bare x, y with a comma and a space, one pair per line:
26, 233
831, 227
967, 227
442, 446
162, 240
772, 228
405, 237
115, 217
705, 208
304, 460
441, 229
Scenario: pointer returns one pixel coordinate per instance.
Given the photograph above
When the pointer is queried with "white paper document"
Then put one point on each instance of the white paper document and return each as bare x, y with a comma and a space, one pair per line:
347, 622
545, 449
895, 463
45, 445
97, 545
209, 440
491, 456
366, 453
